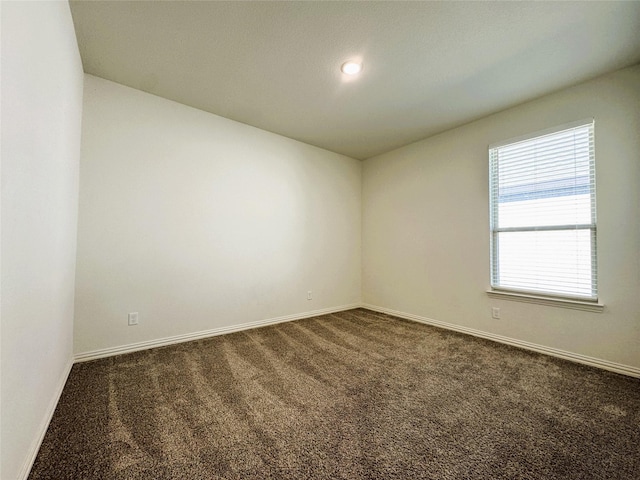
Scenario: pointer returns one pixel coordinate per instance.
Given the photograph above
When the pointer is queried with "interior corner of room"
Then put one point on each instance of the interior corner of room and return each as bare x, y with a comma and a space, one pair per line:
119, 202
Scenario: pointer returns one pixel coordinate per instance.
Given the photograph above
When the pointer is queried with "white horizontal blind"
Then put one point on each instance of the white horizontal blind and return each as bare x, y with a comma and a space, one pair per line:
543, 213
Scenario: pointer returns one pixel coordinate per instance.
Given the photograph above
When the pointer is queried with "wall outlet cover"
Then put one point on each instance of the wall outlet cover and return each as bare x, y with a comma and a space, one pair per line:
133, 318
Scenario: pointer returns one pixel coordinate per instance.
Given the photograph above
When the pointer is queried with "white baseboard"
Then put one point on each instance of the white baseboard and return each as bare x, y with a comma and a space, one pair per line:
574, 357
42, 430
187, 337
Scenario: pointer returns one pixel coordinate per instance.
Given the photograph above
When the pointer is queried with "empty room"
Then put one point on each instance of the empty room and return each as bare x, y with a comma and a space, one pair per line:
320, 240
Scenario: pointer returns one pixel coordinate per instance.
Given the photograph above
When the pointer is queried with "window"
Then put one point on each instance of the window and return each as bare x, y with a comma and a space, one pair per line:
543, 213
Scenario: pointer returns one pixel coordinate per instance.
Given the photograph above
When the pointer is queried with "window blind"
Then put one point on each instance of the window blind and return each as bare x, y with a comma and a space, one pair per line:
543, 213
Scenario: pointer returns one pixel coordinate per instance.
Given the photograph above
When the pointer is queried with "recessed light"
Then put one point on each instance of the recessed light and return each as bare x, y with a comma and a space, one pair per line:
351, 68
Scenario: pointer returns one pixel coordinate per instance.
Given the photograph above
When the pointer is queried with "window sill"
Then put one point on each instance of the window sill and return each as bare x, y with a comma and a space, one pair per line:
550, 301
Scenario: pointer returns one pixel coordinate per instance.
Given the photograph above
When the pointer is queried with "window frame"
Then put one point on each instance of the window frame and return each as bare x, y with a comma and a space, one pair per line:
538, 296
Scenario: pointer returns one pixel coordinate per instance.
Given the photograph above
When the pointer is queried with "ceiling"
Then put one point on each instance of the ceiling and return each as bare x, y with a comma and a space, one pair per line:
428, 66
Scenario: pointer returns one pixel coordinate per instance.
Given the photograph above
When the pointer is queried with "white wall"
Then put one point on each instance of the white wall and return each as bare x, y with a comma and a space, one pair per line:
198, 222
426, 225
41, 114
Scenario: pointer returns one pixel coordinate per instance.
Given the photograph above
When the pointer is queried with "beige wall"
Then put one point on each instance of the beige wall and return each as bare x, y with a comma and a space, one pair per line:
41, 114
426, 225
198, 222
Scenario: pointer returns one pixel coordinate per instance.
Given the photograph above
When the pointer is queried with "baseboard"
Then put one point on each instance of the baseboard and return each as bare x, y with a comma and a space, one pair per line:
162, 342
574, 357
42, 430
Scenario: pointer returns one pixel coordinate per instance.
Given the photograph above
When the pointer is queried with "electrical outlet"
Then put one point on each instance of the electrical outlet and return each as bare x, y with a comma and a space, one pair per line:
495, 312
309, 295
133, 318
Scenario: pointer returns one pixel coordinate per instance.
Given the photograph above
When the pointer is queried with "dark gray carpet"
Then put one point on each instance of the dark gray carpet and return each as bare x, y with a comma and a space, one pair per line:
353, 395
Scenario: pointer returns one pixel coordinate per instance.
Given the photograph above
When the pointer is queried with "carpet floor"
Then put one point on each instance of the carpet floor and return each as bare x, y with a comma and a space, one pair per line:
351, 395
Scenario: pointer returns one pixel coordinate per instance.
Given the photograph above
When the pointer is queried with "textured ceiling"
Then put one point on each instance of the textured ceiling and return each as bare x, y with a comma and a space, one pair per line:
428, 66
